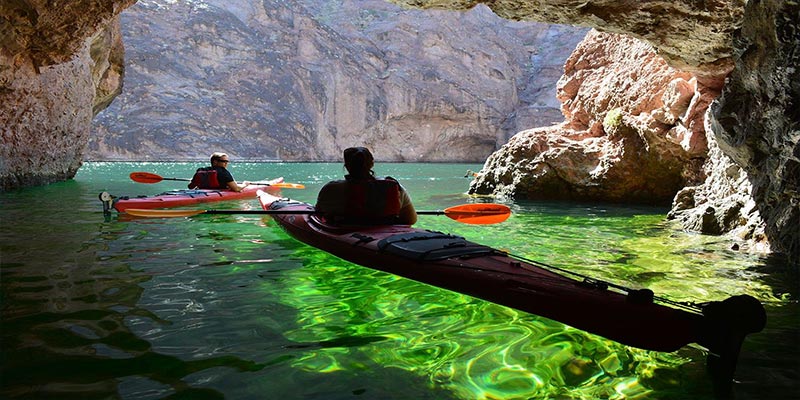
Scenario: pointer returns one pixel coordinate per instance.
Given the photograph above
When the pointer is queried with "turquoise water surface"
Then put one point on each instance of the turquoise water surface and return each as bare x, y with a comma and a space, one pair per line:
229, 306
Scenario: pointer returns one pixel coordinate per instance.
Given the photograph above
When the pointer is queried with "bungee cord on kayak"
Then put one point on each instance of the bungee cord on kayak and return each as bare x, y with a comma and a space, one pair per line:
638, 294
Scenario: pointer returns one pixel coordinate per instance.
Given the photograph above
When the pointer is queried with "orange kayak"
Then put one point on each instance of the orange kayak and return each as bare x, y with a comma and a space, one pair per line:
185, 197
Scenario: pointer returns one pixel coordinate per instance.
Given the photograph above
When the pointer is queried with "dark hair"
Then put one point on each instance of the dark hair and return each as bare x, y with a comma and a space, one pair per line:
359, 162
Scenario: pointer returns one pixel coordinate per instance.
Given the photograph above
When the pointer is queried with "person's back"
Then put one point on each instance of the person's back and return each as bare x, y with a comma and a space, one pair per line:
363, 199
363, 202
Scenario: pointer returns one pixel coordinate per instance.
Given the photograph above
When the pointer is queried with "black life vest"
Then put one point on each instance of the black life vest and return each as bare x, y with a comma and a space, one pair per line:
205, 178
366, 202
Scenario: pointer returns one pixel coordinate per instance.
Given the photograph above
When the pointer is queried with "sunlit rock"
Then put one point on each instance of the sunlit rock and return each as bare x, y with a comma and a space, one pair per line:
631, 130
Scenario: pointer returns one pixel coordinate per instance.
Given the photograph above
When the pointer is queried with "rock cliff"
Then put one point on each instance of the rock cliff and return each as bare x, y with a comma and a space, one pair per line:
633, 131
301, 80
58, 67
749, 51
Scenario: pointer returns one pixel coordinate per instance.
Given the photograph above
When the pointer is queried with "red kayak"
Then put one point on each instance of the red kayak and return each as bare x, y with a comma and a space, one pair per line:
185, 197
631, 317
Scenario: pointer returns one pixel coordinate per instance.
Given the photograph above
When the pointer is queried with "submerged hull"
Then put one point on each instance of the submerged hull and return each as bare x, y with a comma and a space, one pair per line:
453, 263
186, 197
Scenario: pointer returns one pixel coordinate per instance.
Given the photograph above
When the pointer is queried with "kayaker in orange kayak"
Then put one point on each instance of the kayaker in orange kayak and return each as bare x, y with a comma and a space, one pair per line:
363, 199
216, 176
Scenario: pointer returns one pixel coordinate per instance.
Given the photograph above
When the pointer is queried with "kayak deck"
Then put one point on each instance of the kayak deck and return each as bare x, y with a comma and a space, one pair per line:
454, 263
184, 197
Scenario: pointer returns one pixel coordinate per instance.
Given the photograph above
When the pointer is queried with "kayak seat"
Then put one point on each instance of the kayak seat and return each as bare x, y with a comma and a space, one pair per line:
431, 246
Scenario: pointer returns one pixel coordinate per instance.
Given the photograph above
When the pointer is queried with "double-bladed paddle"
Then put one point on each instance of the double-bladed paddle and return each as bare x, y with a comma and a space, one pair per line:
475, 213
148, 177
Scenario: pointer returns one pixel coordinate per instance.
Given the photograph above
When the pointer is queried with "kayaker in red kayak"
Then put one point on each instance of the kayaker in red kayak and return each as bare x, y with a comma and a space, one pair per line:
216, 176
363, 199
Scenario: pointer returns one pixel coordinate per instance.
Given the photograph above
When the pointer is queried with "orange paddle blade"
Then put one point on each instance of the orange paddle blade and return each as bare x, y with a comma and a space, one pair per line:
145, 177
479, 213
148, 177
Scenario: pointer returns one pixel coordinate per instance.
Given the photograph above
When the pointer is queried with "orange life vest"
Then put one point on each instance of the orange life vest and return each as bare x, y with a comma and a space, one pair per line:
205, 178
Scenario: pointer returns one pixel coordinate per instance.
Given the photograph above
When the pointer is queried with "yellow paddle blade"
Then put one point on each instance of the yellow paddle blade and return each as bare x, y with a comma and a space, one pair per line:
137, 212
479, 213
285, 185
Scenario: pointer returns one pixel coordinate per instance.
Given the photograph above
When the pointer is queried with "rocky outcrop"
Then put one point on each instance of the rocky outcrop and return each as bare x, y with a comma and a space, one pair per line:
301, 80
58, 66
633, 131
750, 46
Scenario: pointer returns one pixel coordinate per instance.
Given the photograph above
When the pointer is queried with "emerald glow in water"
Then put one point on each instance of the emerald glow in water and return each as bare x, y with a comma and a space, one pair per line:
229, 306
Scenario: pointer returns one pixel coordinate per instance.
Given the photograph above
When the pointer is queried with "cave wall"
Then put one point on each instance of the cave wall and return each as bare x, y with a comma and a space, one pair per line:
58, 67
747, 49
756, 120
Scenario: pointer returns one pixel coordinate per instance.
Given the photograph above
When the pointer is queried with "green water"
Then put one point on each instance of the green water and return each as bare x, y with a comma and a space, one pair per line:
229, 306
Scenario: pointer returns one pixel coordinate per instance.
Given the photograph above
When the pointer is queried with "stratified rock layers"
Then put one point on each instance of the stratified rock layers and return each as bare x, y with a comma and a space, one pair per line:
302, 80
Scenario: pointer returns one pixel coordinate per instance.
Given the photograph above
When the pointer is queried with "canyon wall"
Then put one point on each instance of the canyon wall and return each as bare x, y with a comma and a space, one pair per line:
60, 66
301, 80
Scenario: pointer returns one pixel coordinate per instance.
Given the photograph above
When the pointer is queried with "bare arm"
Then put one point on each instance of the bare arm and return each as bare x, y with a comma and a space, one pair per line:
408, 215
232, 185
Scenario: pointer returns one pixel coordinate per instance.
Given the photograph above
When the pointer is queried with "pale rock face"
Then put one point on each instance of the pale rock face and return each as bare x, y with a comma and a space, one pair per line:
58, 66
46, 111
302, 80
298, 81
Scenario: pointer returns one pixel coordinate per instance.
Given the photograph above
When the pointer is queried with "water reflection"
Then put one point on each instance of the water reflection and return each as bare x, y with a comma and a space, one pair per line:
72, 306
229, 306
